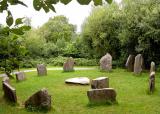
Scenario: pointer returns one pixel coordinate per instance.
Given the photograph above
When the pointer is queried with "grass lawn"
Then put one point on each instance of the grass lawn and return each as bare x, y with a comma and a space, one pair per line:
132, 93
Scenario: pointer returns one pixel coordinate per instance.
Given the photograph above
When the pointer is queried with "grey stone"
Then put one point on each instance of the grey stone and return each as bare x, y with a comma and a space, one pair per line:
6, 79
20, 76
41, 70
106, 62
138, 64
9, 92
78, 80
40, 99
99, 83
101, 95
152, 81
130, 63
152, 68
69, 65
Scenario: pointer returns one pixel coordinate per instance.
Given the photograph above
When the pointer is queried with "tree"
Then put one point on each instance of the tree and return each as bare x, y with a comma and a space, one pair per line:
57, 28
100, 31
11, 52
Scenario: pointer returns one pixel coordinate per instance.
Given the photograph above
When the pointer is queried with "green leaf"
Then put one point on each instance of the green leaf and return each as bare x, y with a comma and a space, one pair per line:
9, 19
109, 1
17, 31
20, 2
84, 2
46, 9
65, 1
19, 21
52, 1
50, 6
25, 28
97, 2
37, 4
3, 5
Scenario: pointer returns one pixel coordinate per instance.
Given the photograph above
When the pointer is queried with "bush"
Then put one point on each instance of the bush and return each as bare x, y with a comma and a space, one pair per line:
57, 61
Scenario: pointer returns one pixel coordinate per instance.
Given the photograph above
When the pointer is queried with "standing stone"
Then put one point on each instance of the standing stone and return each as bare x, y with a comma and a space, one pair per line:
101, 95
41, 69
130, 63
6, 79
152, 81
106, 62
9, 92
40, 99
68, 65
20, 76
99, 83
138, 64
152, 68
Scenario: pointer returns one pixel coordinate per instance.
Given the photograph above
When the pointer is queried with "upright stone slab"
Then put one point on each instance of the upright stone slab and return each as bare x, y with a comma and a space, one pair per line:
152, 81
40, 99
6, 79
69, 65
106, 62
152, 68
41, 70
9, 92
101, 95
138, 64
20, 76
130, 63
99, 83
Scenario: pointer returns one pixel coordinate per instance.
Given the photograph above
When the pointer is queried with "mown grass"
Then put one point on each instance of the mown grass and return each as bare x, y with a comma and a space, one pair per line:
132, 93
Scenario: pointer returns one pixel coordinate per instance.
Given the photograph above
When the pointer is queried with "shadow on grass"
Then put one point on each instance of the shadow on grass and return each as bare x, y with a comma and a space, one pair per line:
97, 104
38, 109
154, 92
8, 102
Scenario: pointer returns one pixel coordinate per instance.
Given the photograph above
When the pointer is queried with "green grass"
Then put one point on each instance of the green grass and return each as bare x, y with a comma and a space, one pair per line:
132, 93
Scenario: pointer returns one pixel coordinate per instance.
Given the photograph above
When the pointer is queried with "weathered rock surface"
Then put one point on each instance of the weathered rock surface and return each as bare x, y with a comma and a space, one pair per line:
138, 64
106, 62
101, 95
78, 80
152, 81
20, 76
152, 68
9, 92
6, 79
130, 63
69, 65
41, 70
99, 83
40, 99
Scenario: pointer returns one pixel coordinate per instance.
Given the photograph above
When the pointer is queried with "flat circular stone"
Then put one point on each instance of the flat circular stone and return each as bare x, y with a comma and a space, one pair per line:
78, 80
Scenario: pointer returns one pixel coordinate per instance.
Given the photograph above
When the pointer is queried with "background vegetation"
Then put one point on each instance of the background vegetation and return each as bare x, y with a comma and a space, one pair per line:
130, 27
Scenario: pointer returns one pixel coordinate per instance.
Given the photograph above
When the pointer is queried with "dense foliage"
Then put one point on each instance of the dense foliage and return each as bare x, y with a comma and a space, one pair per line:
128, 28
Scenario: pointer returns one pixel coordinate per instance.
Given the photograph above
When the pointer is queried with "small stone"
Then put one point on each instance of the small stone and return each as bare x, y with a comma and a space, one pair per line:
99, 83
152, 68
101, 95
152, 81
9, 92
138, 64
20, 76
78, 80
69, 65
42, 70
40, 99
106, 62
130, 63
